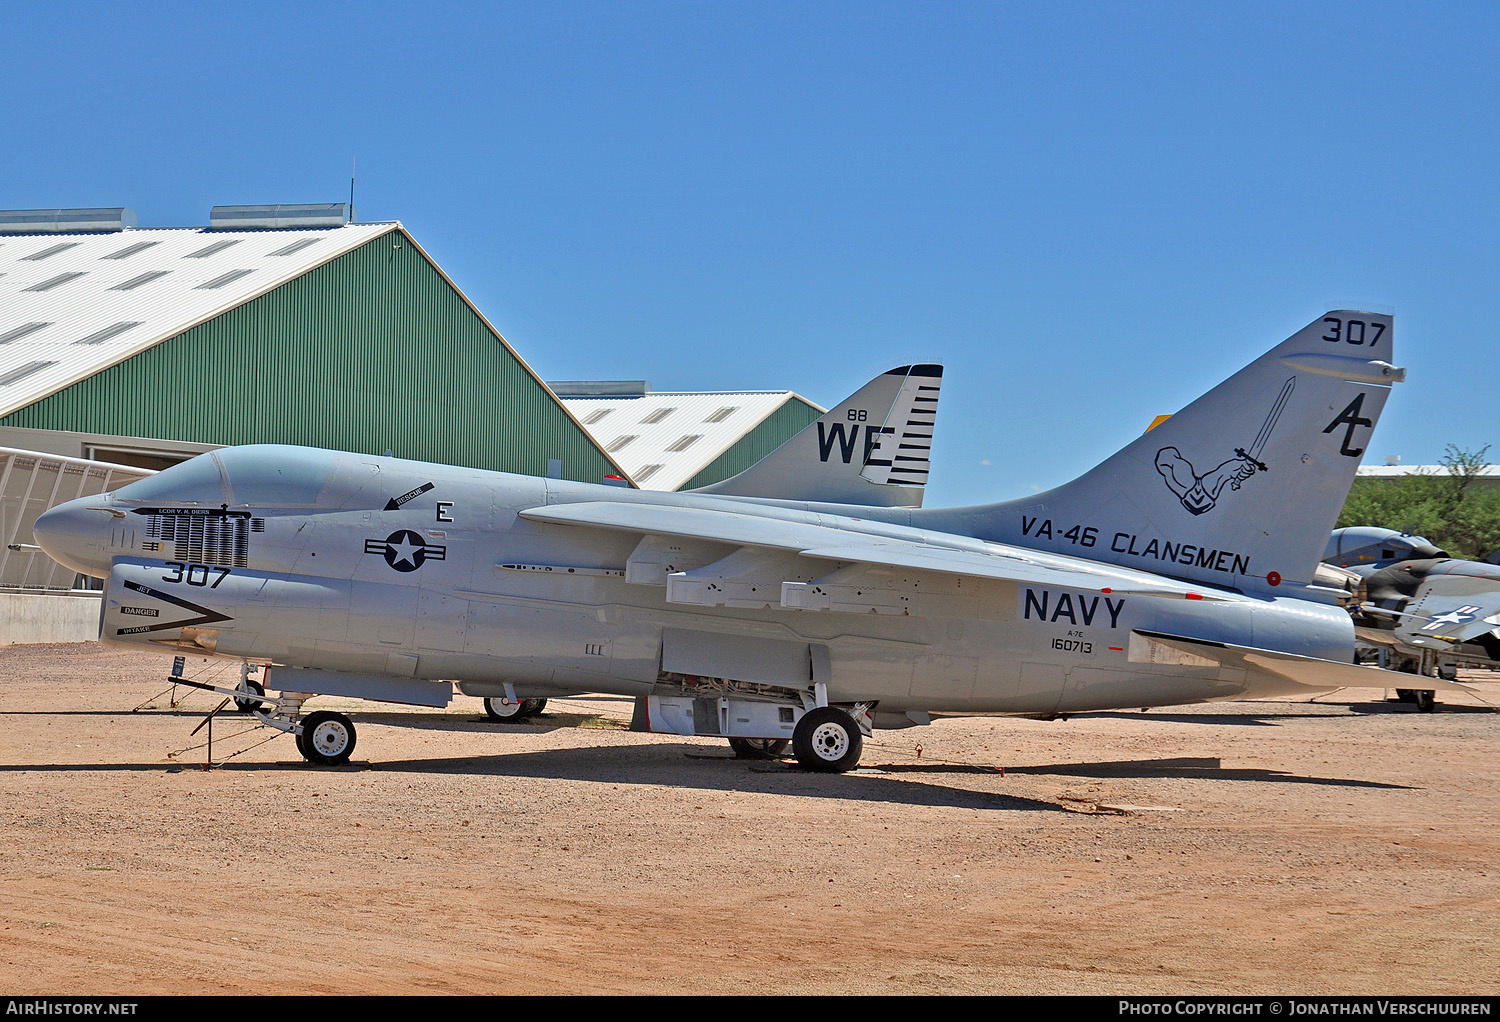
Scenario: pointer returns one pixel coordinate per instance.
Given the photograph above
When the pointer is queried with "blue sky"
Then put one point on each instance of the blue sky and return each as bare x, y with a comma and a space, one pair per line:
1090, 212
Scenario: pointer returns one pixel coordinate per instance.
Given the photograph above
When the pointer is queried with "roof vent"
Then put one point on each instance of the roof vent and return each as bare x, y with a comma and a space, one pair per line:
262, 218
65, 221
600, 388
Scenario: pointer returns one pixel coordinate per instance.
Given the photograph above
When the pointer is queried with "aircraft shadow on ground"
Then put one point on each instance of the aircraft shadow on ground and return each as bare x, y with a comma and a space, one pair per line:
1205, 768
674, 765
669, 764
619, 765
1271, 718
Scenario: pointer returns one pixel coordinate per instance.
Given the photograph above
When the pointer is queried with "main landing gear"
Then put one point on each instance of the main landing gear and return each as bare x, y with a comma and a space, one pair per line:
512, 711
759, 748
758, 720
827, 740
1425, 700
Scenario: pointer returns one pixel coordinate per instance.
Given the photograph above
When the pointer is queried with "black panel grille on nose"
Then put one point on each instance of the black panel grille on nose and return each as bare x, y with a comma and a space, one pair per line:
206, 539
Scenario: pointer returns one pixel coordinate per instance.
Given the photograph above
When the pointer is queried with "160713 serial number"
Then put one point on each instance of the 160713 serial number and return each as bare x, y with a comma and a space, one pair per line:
1074, 646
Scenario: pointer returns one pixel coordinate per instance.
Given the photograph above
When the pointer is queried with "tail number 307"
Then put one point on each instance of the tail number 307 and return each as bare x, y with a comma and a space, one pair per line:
196, 574
1353, 331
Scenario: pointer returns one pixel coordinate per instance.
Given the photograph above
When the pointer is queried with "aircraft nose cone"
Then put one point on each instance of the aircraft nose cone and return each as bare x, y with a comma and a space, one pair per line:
75, 535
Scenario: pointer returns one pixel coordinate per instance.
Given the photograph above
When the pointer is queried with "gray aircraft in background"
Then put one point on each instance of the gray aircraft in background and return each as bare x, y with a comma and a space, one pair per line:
1430, 611
1181, 569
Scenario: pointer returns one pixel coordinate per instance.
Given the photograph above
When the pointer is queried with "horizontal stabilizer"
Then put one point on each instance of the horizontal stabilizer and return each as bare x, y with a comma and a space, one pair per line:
1270, 673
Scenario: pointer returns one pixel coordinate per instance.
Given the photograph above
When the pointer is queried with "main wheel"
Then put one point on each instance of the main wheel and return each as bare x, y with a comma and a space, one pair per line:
501, 708
1426, 700
250, 705
531, 707
758, 748
327, 738
827, 740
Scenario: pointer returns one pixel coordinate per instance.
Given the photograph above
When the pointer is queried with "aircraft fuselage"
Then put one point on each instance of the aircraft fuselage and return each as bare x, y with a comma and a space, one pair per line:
407, 570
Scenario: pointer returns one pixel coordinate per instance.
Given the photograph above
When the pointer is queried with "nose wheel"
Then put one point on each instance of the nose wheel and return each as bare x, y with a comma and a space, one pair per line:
327, 738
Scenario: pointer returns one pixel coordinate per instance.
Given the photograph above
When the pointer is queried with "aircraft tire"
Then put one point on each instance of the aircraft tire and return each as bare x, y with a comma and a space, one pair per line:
1425, 699
502, 709
1448, 672
531, 707
327, 738
250, 705
826, 740
758, 748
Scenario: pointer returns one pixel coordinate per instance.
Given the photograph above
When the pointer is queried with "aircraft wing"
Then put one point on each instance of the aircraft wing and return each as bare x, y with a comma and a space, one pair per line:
1270, 673
1449, 609
883, 546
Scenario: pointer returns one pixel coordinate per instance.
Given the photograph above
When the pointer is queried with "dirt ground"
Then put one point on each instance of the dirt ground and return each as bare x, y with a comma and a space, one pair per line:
1345, 846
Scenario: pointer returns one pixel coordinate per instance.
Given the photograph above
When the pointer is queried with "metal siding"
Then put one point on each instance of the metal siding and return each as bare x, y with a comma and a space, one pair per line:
371, 351
777, 428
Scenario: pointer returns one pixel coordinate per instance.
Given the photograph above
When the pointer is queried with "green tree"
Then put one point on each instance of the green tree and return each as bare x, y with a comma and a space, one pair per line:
1445, 507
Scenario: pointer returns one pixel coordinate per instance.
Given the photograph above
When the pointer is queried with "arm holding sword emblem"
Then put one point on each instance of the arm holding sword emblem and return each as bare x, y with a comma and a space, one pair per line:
1200, 493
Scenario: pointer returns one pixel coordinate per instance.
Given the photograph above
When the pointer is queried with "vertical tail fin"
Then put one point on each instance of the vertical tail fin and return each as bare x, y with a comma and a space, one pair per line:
873, 448
1242, 487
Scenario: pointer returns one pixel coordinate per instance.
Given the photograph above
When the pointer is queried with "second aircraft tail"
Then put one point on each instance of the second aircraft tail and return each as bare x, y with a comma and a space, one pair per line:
872, 448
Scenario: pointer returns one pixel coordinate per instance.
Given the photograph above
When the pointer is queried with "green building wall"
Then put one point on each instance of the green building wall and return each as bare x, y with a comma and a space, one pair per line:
774, 430
372, 351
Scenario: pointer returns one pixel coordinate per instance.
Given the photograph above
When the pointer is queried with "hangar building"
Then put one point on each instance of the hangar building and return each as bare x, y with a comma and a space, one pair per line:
679, 440
274, 324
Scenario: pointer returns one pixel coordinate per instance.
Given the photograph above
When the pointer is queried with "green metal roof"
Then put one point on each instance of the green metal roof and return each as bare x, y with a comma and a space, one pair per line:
373, 350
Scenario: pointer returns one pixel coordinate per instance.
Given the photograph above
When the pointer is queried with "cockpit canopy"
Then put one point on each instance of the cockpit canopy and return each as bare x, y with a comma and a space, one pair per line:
1366, 544
258, 474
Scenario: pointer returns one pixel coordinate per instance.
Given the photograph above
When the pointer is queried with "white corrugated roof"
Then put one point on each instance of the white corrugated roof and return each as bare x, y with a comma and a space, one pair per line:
1397, 471
72, 305
640, 432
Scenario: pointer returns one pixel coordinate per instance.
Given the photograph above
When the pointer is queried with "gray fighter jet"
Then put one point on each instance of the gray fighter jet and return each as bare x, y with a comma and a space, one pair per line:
1181, 569
1431, 611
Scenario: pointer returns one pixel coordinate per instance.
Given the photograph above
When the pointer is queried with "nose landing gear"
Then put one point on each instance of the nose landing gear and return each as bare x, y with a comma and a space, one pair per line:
327, 738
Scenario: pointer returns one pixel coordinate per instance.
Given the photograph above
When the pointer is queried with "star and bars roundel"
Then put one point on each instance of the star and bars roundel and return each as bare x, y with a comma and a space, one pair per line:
406, 550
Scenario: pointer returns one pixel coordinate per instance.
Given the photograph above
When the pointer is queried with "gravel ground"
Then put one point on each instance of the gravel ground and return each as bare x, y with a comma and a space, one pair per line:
1345, 846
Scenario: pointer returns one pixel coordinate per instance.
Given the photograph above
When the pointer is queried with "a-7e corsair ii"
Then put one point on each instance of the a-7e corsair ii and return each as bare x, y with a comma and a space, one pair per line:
1179, 570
